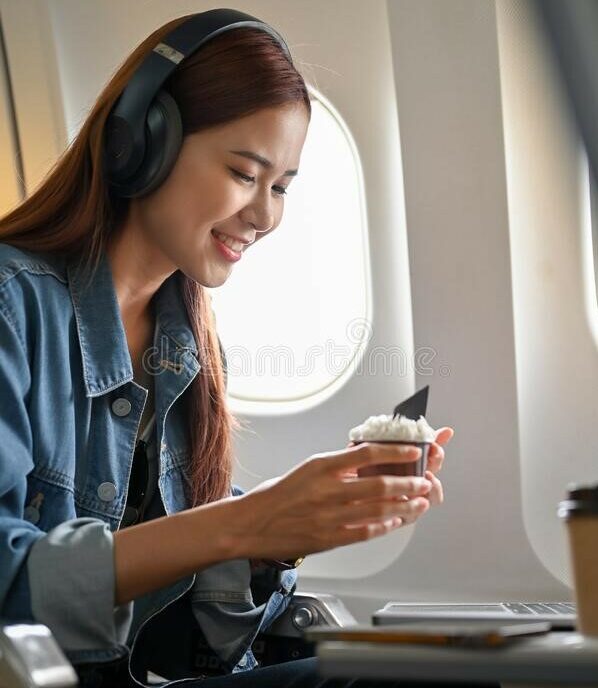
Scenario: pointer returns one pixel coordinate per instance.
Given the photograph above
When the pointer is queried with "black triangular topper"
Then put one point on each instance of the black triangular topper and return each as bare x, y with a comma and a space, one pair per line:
415, 406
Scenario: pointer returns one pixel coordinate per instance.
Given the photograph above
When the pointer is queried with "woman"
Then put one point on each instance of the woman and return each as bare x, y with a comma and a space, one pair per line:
116, 505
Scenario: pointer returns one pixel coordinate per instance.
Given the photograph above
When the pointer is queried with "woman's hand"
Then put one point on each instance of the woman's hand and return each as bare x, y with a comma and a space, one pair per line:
436, 456
435, 460
322, 503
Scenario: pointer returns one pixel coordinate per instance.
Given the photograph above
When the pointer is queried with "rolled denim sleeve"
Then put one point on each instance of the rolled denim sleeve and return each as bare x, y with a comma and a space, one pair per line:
72, 583
63, 578
16, 534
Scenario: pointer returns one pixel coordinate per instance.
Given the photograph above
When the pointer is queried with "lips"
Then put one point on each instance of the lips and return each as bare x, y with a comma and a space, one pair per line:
225, 250
245, 242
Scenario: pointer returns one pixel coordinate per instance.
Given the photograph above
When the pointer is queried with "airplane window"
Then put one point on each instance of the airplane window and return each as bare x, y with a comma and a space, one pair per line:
11, 173
291, 315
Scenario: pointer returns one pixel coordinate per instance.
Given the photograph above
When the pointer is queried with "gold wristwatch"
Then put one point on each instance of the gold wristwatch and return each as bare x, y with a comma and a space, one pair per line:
284, 565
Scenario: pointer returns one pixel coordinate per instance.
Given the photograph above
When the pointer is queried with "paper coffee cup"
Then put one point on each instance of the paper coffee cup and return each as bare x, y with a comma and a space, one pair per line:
580, 513
417, 468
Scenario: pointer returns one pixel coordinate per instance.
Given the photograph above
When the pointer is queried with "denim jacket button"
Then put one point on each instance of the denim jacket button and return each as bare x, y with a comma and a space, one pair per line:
107, 492
121, 407
31, 514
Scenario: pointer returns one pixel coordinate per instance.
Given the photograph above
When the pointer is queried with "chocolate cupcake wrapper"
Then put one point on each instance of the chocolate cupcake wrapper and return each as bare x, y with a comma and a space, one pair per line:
417, 468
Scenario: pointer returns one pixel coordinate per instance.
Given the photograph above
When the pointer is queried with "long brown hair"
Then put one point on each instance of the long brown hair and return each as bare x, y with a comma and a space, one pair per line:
73, 212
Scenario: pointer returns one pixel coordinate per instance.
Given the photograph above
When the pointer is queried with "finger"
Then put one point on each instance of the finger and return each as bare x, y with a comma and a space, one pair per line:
435, 458
365, 454
434, 497
351, 473
348, 535
444, 435
378, 488
408, 512
436, 494
435, 450
413, 514
363, 513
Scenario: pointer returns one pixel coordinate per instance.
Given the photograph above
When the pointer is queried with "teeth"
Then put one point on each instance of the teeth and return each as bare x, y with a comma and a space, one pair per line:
231, 243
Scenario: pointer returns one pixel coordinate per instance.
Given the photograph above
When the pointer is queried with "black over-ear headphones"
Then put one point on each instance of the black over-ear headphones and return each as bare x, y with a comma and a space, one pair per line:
143, 133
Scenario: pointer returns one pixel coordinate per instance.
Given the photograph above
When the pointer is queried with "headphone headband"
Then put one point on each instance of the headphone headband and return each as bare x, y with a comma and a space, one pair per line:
126, 126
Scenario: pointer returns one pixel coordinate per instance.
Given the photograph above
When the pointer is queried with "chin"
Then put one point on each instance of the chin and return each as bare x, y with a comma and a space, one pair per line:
208, 281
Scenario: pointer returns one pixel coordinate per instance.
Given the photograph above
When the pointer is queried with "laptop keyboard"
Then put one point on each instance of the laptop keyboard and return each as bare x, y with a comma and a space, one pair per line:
540, 608
521, 608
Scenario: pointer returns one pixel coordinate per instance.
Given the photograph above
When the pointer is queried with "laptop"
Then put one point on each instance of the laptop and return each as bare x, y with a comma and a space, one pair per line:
560, 615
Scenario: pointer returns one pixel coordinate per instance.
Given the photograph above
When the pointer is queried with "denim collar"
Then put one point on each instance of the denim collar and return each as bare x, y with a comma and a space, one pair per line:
102, 338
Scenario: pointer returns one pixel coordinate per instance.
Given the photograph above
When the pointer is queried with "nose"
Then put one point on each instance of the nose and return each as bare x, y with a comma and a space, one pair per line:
259, 215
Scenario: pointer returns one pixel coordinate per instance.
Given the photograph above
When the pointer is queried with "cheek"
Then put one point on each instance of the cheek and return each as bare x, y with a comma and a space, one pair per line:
171, 199
179, 206
210, 197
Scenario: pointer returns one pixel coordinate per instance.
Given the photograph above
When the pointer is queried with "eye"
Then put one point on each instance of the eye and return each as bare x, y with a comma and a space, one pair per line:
279, 190
244, 177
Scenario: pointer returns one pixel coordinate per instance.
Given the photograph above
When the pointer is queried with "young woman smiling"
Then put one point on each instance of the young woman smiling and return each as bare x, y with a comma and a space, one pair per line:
116, 503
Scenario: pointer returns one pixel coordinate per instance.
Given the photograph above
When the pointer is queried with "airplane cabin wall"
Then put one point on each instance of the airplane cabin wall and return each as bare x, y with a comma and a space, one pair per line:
555, 311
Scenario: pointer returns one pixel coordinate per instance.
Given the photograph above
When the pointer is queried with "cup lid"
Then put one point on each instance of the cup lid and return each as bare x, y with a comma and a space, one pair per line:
585, 493
581, 500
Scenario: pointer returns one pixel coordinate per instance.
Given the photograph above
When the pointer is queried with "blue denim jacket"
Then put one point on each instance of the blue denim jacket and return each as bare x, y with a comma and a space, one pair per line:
69, 416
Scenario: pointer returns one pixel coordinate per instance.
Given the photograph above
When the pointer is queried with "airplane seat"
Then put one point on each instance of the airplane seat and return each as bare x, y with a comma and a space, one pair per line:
31, 658
284, 640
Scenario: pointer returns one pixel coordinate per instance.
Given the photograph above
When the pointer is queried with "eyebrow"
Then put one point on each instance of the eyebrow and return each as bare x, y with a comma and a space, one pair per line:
262, 161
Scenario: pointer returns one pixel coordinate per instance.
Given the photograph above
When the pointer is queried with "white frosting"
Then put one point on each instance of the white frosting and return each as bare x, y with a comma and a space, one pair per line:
389, 428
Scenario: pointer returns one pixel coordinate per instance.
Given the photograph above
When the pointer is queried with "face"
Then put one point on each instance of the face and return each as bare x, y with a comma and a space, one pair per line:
213, 189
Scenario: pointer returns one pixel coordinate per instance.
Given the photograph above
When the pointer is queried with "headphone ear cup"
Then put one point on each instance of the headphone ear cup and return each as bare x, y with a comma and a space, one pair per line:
164, 136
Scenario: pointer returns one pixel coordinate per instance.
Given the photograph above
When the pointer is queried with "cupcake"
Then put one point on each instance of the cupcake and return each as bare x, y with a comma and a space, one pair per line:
395, 430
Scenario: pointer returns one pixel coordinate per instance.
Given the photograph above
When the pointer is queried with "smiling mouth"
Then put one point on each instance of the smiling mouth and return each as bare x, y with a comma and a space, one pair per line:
233, 244
227, 252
